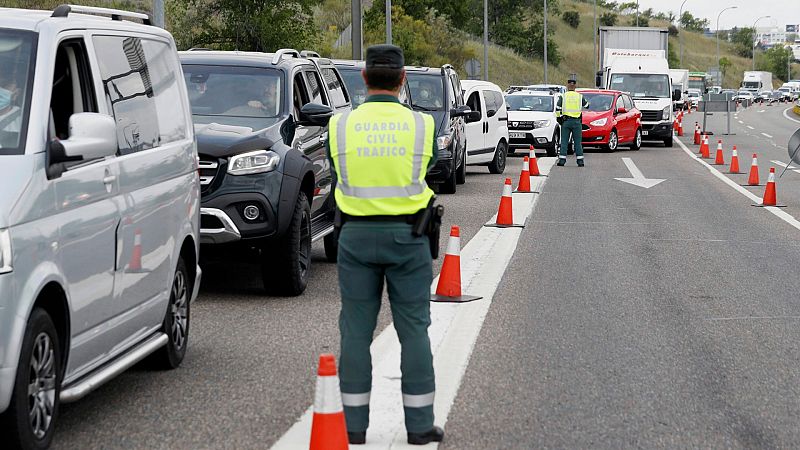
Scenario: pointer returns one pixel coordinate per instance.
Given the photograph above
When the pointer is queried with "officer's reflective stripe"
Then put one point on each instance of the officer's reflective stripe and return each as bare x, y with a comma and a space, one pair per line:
327, 399
418, 401
416, 187
355, 400
579, 157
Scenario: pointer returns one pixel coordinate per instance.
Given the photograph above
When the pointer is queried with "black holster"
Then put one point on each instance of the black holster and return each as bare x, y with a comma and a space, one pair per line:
429, 223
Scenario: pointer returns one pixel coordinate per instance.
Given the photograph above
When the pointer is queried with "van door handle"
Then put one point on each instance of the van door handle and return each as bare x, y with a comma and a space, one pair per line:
109, 179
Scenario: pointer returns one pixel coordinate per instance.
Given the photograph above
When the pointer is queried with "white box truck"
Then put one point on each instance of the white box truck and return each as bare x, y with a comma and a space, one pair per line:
757, 81
680, 80
634, 60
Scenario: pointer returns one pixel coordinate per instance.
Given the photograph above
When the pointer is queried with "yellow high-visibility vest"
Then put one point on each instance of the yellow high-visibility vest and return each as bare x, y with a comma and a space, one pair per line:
573, 102
381, 153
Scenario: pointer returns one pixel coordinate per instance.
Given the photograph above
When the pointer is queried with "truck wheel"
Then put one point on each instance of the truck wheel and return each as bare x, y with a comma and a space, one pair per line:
668, 142
176, 321
449, 185
331, 247
285, 265
29, 421
498, 164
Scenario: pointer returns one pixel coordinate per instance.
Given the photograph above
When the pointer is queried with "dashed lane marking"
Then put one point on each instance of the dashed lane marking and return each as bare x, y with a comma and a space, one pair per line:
752, 128
766, 135
453, 333
783, 215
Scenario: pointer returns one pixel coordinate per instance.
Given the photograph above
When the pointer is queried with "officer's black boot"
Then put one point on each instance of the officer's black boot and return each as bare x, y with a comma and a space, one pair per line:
580, 162
435, 434
357, 437
562, 161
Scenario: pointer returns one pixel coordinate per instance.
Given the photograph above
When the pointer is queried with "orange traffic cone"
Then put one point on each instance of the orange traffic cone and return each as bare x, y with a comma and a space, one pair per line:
448, 289
696, 133
328, 429
505, 213
680, 125
135, 263
720, 159
524, 185
734, 161
770, 196
704, 150
533, 166
753, 179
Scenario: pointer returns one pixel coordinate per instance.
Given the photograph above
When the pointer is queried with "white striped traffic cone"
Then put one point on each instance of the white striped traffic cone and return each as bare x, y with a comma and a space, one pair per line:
328, 429
448, 289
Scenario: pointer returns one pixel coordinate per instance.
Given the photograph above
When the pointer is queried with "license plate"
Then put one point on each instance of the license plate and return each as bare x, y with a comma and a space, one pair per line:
645, 132
516, 135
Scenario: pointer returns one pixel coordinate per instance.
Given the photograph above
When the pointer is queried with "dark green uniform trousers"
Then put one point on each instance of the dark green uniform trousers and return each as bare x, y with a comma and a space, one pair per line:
369, 253
574, 127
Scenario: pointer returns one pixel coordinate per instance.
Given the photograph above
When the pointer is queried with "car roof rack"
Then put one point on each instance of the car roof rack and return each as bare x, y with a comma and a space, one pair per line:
445, 67
309, 54
199, 49
115, 14
280, 54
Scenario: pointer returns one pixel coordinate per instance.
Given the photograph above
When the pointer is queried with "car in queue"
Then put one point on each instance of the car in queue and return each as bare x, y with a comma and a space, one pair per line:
487, 138
532, 121
611, 120
694, 97
350, 71
744, 95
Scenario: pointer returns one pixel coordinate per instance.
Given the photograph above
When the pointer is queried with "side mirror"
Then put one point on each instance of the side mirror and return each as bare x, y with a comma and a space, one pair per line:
461, 111
676, 95
316, 114
621, 110
473, 116
598, 79
91, 135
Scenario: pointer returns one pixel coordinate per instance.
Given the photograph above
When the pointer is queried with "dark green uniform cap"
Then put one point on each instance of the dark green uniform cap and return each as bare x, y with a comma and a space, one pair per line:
385, 56
573, 78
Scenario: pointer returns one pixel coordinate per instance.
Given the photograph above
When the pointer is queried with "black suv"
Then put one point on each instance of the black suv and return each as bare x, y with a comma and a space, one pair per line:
351, 74
437, 91
261, 122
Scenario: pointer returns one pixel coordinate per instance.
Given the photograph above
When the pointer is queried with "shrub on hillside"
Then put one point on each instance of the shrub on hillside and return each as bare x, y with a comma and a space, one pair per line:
673, 30
573, 18
608, 19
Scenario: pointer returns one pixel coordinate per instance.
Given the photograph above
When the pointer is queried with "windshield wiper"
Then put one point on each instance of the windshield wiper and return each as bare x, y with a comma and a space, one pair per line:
422, 108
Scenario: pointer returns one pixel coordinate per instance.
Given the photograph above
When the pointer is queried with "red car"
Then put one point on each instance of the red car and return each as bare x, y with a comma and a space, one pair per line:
611, 120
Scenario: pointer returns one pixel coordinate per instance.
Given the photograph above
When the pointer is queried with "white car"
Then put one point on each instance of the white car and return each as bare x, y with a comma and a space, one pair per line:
532, 121
487, 138
744, 95
694, 96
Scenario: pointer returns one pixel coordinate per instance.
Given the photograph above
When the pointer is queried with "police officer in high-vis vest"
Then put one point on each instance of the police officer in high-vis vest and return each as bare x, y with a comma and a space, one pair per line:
568, 110
381, 153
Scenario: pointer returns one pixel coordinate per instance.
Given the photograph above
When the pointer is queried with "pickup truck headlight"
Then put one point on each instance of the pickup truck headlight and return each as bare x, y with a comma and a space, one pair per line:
541, 123
599, 122
666, 112
258, 161
443, 142
5, 251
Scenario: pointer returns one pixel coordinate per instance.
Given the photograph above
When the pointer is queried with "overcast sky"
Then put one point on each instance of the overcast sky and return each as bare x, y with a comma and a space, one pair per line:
782, 11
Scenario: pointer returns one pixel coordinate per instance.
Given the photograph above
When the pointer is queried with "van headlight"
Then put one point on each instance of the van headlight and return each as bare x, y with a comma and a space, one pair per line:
541, 123
253, 162
5, 251
599, 122
444, 141
665, 113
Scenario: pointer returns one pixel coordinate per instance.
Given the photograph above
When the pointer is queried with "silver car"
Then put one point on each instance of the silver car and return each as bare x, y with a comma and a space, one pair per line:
99, 208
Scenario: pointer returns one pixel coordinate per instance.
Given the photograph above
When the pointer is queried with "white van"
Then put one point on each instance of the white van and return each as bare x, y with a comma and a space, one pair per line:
487, 139
99, 208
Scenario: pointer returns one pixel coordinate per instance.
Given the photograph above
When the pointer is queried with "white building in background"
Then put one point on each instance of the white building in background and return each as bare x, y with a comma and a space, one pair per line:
771, 36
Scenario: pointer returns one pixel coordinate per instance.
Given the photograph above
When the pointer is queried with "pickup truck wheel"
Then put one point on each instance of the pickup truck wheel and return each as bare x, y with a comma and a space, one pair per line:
29, 421
284, 267
498, 164
176, 321
331, 247
461, 173
449, 185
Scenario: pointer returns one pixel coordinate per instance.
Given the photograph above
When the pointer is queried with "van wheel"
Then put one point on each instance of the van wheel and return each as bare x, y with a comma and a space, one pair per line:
176, 321
498, 164
637, 141
461, 173
29, 421
613, 141
449, 185
285, 265
331, 247
553, 150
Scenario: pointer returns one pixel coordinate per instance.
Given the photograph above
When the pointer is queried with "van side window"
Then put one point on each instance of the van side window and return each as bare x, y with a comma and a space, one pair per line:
73, 91
140, 80
474, 101
335, 87
492, 106
315, 88
459, 98
451, 96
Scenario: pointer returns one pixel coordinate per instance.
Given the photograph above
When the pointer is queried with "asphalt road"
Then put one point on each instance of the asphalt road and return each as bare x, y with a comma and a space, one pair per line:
627, 318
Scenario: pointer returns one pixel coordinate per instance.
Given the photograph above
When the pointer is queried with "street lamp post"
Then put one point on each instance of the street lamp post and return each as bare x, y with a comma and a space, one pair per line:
755, 33
680, 35
594, 42
719, 69
637, 13
545, 41
389, 22
486, 40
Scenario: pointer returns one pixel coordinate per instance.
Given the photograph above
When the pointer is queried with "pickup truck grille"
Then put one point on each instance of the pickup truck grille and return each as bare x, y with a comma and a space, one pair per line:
651, 116
208, 171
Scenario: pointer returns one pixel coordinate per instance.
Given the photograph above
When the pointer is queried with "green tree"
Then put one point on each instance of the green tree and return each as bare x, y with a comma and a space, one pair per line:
724, 65
608, 19
573, 18
775, 60
692, 23
742, 39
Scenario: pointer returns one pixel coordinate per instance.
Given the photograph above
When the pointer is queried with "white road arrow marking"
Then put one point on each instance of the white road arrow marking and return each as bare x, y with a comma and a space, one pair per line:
638, 178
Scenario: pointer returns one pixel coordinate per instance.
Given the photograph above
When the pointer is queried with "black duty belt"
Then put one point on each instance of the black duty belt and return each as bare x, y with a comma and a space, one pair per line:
403, 218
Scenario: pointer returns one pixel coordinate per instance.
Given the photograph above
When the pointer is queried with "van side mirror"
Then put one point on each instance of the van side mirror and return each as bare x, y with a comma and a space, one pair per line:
91, 136
676, 95
473, 116
461, 111
316, 114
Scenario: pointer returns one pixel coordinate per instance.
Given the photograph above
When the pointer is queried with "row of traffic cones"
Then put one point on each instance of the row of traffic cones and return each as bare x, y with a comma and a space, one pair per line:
770, 193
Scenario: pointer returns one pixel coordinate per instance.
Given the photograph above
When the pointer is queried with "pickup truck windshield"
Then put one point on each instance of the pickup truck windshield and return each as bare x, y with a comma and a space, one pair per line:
16, 75
427, 91
241, 96
641, 85
518, 102
599, 102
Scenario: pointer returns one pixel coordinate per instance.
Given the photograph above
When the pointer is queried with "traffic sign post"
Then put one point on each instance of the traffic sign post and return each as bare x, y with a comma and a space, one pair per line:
718, 103
473, 68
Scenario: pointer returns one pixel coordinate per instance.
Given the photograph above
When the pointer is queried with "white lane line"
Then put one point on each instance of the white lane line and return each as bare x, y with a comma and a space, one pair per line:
783, 215
752, 128
786, 114
783, 164
761, 110
726, 319
741, 122
453, 333
766, 135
